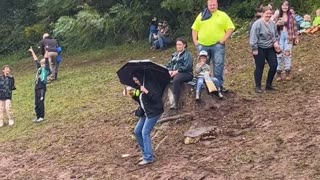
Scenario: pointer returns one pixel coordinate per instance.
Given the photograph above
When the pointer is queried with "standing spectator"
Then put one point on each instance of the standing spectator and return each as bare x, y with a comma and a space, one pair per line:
153, 31
263, 40
149, 97
180, 68
288, 31
7, 85
210, 31
50, 44
43, 71
58, 62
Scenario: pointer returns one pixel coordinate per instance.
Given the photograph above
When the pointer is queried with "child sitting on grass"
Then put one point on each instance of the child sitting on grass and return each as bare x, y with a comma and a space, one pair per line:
305, 24
202, 70
7, 85
316, 23
43, 71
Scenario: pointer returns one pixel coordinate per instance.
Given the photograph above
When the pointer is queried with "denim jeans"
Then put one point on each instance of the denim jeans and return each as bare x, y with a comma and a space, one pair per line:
164, 41
285, 56
142, 131
200, 82
216, 55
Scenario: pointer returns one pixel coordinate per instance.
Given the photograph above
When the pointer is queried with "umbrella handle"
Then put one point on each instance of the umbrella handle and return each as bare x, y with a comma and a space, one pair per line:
144, 75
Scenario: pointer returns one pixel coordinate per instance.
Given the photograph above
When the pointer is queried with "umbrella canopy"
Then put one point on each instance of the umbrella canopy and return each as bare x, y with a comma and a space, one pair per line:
158, 72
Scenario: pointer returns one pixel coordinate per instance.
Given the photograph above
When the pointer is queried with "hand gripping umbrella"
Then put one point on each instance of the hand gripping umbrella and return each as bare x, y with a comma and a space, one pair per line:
158, 72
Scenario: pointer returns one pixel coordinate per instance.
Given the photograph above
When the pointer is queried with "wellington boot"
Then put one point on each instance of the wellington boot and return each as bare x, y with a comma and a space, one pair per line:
197, 95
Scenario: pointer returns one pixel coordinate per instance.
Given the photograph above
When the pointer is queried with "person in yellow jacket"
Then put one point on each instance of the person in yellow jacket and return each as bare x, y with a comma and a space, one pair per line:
210, 31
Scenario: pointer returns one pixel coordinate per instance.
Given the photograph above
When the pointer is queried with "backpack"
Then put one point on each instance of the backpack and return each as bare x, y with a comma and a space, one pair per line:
59, 57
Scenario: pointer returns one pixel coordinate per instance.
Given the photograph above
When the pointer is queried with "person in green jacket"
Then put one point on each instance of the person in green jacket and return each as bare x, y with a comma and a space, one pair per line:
41, 80
315, 24
180, 68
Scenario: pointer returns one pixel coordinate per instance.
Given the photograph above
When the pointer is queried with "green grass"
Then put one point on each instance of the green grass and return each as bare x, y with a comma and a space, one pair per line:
87, 86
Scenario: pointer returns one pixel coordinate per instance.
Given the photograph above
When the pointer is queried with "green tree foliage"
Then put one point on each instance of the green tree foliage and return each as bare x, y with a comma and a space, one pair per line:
93, 23
81, 31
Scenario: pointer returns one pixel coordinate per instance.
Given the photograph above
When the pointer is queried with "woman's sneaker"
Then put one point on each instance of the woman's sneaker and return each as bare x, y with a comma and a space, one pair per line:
1, 123
144, 162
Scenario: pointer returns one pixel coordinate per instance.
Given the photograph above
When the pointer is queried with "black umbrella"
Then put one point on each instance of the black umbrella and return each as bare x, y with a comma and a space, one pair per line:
158, 72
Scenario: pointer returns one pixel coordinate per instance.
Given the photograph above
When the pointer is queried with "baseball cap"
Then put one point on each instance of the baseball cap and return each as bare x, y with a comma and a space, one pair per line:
203, 53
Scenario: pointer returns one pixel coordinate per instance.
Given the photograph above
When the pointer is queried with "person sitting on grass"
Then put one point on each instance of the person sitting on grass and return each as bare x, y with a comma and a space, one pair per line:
164, 38
316, 23
43, 71
7, 85
203, 69
153, 31
296, 16
306, 24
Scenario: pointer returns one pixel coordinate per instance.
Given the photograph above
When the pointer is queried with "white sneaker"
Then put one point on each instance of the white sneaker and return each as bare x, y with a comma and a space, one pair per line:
40, 120
1, 123
35, 119
11, 122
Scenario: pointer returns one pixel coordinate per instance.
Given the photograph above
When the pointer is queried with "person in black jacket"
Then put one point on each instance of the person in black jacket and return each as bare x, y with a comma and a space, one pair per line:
149, 112
180, 68
7, 85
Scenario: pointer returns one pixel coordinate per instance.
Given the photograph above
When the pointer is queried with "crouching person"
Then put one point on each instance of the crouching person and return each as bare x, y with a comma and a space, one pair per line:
43, 71
149, 97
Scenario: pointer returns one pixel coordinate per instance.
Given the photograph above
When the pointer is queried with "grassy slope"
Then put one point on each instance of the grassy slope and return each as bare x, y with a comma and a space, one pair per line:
87, 84
84, 110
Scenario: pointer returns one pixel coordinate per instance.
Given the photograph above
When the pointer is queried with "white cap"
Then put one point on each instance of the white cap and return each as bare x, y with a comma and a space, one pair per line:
203, 53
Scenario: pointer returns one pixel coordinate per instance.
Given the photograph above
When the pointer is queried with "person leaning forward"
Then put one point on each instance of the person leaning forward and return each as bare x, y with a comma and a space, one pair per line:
211, 29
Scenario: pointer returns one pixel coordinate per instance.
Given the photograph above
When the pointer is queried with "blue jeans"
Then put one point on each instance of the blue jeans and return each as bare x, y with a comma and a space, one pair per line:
216, 55
200, 82
142, 131
285, 56
164, 41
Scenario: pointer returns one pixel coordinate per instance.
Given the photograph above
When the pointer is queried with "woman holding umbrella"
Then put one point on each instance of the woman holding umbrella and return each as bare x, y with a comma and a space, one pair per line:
149, 111
180, 68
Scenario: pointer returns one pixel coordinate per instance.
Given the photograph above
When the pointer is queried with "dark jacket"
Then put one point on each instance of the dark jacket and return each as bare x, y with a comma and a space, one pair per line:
42, 74
182, 62
51, 43
152, 101
7, 85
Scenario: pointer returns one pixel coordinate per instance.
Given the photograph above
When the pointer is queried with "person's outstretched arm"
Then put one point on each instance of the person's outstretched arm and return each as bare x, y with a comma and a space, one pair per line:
34, 56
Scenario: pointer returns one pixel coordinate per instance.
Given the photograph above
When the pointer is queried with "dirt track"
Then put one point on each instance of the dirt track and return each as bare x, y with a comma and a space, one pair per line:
268, 136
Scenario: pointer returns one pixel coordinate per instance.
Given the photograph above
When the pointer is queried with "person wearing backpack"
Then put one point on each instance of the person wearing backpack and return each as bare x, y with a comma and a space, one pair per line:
50, 44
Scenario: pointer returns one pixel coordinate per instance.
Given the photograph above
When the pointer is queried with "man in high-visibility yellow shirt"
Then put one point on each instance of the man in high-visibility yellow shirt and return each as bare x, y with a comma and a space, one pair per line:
211, 29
